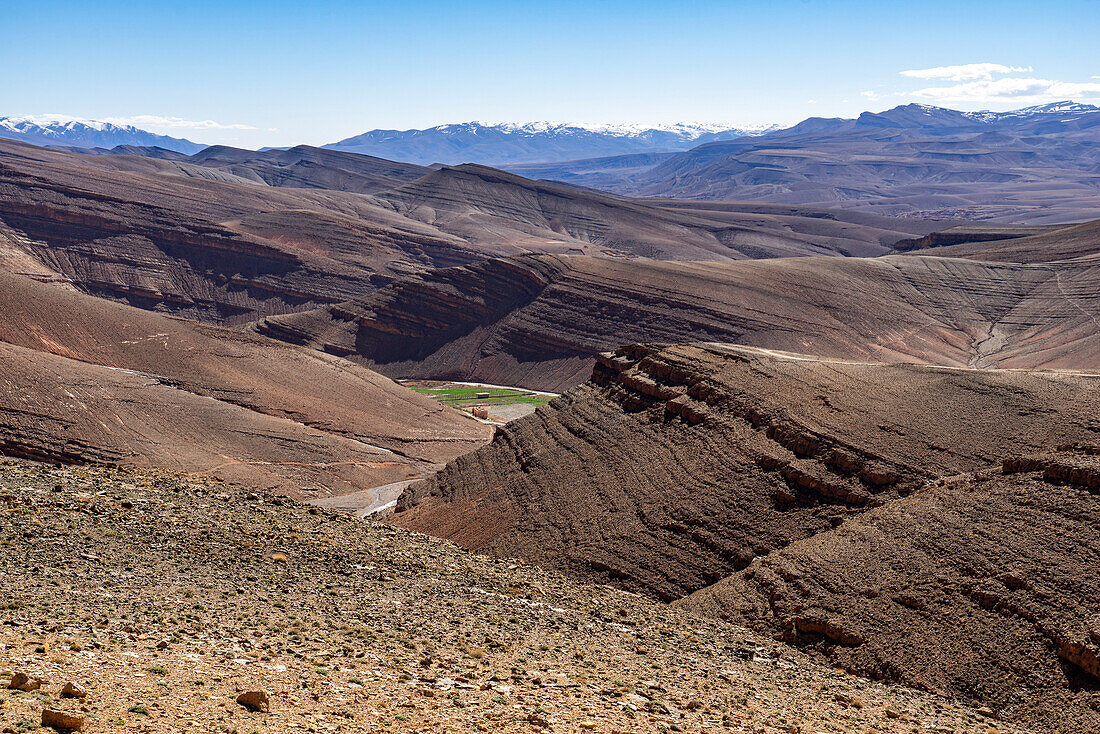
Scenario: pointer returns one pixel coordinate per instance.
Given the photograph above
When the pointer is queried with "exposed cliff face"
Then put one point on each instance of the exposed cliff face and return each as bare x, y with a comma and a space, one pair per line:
675, 467
418, 316
891, 309
979, 586
970, 234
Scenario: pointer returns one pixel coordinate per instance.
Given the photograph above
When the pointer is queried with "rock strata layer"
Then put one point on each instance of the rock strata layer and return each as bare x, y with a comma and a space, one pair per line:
674, 467
981, 586
540, 321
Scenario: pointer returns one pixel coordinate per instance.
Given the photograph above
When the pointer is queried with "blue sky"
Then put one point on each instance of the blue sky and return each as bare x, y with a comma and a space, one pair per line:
276, 73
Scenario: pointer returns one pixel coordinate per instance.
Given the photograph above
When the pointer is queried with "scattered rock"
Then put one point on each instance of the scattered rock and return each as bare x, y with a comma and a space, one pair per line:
538, 720
255, 701
24, 682
849, 700
62, 721
72, 690
239, 627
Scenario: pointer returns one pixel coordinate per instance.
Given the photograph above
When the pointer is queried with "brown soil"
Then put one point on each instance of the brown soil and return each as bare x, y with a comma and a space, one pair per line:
165, 597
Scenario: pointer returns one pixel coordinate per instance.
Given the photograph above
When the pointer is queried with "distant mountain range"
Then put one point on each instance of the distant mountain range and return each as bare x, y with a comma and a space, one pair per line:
535, 142
74, 133
1038, 165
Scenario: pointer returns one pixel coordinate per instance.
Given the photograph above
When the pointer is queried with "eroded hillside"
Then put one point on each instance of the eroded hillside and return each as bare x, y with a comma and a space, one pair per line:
675, 466
539, 321
90, 380
857, 508
978, 585
230, 235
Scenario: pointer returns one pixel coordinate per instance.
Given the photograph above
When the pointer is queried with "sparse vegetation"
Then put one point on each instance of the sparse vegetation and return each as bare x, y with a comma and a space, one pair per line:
416, 666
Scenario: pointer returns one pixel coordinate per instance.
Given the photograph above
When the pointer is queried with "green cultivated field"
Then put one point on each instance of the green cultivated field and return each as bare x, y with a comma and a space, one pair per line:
460, 396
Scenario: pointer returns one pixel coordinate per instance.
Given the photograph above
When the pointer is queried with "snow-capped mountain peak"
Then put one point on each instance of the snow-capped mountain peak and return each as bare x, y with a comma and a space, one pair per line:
55, 129
688, 130
1052, 108
504, 143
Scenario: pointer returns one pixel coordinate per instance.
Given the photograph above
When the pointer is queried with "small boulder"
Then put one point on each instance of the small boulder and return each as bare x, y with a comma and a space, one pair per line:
62, 721
255, 701
72, 690
25, 683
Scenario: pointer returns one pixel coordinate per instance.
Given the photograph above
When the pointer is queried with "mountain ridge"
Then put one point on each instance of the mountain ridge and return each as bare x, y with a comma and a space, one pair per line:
67, 131
1037, 165
532, 142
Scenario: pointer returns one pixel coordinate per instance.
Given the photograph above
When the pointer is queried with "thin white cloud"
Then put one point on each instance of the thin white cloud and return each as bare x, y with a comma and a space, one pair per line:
965, 72
175, 123
872, 96
1014, 89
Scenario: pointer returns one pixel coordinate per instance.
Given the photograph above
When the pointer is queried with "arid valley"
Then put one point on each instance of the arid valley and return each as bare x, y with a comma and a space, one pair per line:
556, 427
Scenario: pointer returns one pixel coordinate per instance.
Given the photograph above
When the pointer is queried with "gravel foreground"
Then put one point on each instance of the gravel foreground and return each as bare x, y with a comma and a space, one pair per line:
165, 597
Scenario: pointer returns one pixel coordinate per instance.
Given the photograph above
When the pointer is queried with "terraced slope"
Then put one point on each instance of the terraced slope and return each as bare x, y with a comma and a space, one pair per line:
539, 321
87, 379
979, 586
675, 467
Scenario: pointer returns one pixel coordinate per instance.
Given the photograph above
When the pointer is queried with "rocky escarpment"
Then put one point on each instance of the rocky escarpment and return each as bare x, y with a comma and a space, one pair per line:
981, 586
1079, 242
970, 233
416, 317
674, 467
539, 321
